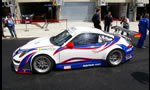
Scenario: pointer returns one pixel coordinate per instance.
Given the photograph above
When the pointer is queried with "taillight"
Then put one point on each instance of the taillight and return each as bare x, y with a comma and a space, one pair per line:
130, 46
137, 35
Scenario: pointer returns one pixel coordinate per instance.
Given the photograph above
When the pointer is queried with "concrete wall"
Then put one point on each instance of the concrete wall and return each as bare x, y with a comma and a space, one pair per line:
52, 0
123, 9
80, 0
146, 1
118, 10
109, 1
116, 1
80, 11
34, 1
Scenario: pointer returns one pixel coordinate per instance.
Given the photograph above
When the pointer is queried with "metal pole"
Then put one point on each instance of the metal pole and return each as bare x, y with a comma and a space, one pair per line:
66, 24
49, 10
46, 26
26, 27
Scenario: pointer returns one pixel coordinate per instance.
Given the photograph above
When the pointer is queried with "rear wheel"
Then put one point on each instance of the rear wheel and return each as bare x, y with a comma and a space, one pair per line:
42, 64
115, 57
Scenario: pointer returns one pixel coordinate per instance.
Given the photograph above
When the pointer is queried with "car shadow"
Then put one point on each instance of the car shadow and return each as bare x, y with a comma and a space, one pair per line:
141, 77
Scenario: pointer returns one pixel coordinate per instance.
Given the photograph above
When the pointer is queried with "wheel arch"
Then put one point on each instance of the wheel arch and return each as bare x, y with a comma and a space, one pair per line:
39, 54
112, 49
116, 49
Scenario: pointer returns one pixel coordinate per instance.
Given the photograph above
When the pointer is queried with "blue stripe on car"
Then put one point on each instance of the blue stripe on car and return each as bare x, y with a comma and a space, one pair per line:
23, 62
82, 64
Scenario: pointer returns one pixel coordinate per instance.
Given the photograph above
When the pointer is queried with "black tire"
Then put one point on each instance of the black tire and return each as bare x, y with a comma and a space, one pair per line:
42, 64
115, 57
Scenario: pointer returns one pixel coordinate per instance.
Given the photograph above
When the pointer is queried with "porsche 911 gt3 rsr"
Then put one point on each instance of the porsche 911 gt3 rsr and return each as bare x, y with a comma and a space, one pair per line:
76, 47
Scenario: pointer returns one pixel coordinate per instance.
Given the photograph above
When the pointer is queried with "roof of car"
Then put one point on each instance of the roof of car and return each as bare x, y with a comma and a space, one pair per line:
78, 30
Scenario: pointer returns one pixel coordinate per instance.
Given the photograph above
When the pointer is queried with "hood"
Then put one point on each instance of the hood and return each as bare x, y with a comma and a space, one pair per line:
37, 43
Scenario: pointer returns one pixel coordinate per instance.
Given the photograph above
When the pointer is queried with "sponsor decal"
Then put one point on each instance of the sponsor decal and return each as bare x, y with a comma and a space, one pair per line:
50, 48
90, 65
67, 67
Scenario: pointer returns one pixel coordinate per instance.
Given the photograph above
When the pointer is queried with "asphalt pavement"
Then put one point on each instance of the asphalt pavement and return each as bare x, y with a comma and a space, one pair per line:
132, 75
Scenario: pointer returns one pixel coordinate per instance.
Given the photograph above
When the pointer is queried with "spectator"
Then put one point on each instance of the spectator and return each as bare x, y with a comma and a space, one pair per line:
143, 26
96, 19
125, 22
11, 25
107, 21
44, 17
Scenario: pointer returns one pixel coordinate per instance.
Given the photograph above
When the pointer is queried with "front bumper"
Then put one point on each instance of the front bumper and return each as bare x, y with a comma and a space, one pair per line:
25, 69
15, 65
22, 64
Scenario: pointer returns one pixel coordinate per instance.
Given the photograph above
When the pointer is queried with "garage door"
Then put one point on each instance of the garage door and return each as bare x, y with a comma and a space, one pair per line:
81, 11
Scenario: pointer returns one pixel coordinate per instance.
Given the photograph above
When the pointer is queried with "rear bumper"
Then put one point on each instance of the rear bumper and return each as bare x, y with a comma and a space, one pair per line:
129, 54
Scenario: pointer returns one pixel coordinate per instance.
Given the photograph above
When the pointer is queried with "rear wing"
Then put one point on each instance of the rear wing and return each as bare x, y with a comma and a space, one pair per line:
130, 32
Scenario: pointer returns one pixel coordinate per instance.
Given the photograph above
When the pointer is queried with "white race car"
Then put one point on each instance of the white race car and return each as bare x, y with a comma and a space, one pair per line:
76, 47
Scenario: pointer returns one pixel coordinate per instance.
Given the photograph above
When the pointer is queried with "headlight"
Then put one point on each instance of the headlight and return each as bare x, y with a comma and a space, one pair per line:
16, 61
23, 53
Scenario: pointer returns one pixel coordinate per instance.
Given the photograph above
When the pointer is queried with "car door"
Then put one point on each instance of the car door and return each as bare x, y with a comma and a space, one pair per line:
85, 46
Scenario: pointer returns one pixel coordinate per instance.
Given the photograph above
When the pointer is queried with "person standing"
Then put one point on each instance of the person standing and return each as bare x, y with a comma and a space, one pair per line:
11, 25
96, 19
125, 22
107, 21
44, 17
143, 27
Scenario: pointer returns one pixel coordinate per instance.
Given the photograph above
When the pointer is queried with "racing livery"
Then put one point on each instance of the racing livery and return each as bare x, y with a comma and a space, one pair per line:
76, 47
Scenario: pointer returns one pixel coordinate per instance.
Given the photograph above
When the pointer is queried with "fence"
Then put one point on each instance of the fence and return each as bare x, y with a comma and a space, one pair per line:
46, 21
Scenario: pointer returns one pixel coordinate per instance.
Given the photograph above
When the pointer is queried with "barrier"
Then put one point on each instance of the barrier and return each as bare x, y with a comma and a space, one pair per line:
41, 21
53, 20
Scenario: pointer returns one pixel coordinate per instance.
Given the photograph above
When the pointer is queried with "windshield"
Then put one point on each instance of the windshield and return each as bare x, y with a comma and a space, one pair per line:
61, 38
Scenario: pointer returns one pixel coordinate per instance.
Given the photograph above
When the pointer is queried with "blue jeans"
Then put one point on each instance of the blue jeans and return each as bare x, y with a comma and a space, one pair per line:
126, 27
106, 27
12, 30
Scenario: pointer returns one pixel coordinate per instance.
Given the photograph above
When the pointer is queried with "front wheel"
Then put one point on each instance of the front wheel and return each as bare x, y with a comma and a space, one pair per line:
42, 64
115, 57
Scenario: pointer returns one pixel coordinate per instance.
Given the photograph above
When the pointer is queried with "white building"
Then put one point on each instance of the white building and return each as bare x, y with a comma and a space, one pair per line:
74, 10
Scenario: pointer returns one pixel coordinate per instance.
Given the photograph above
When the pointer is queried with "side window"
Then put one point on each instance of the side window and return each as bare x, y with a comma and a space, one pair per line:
86, 39
107, 39
100, 39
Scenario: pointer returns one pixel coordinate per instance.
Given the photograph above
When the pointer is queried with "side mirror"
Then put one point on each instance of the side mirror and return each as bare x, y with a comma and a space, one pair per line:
70, 45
